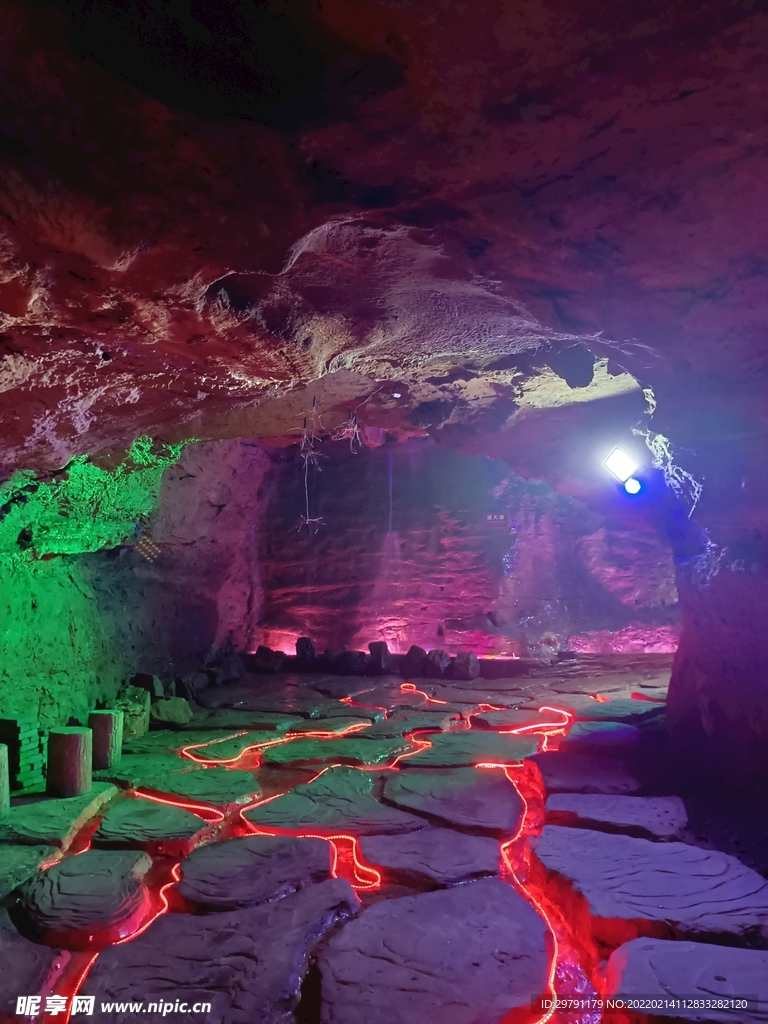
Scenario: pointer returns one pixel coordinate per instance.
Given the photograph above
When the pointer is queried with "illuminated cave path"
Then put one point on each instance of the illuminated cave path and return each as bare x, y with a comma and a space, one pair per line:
565, 973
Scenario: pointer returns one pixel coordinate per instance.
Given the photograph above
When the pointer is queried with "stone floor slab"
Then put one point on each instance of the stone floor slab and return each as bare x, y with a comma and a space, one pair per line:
355, 749
29, 968
566, 772
600, 737
465, 955
255, 869
19, 863
691, 890
661, 816
465, 747
54, 820
340, 799
147, 824
696, 970
434, 855
249, 964
473, 798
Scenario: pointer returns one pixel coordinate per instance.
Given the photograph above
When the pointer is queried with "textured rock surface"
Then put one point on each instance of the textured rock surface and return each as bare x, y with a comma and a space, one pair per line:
18, 863
54, 821
147, 823
657, 969
468, 748
432, 855
685, 887
662, 816
468, 797
600, 736
341, 798
468, 954
34, 966
99, 892
256, 869
357, 750
248, 963
580, 773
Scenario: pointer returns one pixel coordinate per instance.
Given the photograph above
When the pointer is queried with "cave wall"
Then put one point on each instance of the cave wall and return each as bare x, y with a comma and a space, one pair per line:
549, 576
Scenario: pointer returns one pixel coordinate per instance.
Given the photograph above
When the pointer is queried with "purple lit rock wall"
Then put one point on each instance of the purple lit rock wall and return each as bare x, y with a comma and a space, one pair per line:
552, 575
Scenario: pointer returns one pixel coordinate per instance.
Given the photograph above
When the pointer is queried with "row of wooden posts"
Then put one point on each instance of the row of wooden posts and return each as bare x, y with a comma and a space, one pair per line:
73, 753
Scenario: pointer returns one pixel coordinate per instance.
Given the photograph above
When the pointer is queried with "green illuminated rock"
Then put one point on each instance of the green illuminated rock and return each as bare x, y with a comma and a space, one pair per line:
54, 821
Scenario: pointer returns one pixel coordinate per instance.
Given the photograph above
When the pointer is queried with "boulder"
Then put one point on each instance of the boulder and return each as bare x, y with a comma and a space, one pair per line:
414, 662
190, 686
471, 954
437, 665
687, 889
232, 668
341, 799
98, 894
660, 970
134, 703
265, 660
352, 663
433, 856
381, 662
306, 653
468, 797
255, 869
173, 711
662, 817
249, 964
152, 684
466, 665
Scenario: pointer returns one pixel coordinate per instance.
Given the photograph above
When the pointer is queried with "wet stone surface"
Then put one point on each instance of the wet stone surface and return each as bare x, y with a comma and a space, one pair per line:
434, 855
465, 797
145, 823
655, 816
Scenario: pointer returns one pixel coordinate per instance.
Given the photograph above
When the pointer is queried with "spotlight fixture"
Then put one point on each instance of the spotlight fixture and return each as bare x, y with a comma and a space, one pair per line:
632, 486
620, 465
396, 394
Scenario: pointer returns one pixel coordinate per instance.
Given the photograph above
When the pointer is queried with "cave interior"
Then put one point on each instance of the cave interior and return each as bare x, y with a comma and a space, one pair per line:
383, 485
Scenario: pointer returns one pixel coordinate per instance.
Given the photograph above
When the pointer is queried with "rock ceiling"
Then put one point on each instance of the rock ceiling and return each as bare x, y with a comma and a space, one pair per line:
213, 217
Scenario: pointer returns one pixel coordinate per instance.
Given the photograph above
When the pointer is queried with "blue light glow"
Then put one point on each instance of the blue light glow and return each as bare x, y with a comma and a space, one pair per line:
632, 486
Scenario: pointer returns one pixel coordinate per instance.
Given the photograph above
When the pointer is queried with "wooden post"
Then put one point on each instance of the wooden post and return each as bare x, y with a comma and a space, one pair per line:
5, 782
69, 761
107, 727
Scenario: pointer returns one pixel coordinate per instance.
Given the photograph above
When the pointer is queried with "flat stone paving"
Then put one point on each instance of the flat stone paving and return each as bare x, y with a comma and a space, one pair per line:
465, 797
51, 820
434, 855
663, 817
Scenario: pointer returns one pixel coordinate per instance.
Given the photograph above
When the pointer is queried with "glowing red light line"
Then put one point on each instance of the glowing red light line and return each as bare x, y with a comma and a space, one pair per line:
411, 688
186, 805
257, 748
84, 972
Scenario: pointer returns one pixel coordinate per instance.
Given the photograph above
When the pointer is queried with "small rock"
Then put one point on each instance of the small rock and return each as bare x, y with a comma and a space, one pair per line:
158, 828
414, 662
471, 954
434, 855
659, 969
661, 816
190, 686
381, 662
152, 684
134, 703
306, 653
248, 963
169, 688
468, 797
256, 869
99, 893
265, 660
466, 666
437, 665
173, 711
232, 668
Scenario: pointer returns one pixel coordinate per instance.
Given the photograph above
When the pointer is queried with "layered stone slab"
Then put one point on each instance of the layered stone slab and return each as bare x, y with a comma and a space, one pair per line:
465, 747
180, 777
658, 969
19, 863
472, 798
566, 772
340, 799
255, 869
405, 720
54, 821
355, 749
148, 825
249, 964
661, 816
469, 955
98, 893
236, 718
433, 856
636, 712
690, 890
